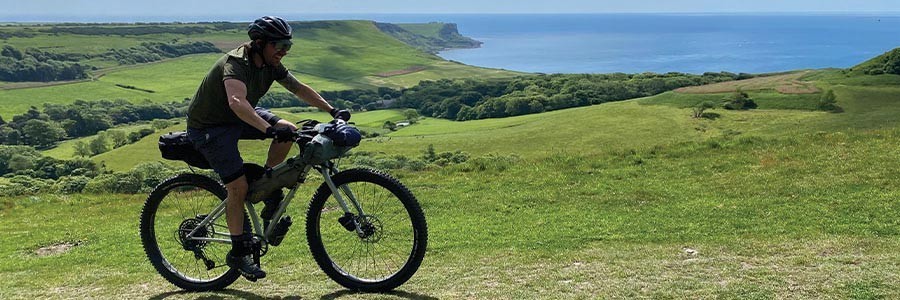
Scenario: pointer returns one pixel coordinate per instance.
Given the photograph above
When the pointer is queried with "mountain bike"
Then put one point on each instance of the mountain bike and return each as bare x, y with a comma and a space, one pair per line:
364, 228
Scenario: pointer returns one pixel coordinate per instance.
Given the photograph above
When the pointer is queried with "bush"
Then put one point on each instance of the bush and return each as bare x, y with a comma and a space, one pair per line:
828, 102
150, 174
102, 184
25, 185
71, 184
739, 100
700, 108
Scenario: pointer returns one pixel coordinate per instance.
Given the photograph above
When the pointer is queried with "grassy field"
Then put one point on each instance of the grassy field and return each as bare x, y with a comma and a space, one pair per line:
622, 200
336, 55
789, 83
631, 199
424, 29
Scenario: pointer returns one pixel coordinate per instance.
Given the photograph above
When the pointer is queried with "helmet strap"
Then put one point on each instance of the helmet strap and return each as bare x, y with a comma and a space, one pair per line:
255, 48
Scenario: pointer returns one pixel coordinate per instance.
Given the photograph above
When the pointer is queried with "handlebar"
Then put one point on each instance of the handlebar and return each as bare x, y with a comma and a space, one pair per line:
302, 136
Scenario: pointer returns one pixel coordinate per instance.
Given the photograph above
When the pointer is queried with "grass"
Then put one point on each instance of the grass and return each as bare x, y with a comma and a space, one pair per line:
424, 29
337, 55
788, 83
439, 70
794, 217
764, 99
630, 199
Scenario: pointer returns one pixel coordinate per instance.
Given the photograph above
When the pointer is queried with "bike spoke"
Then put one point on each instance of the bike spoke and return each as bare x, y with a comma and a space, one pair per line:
380, 255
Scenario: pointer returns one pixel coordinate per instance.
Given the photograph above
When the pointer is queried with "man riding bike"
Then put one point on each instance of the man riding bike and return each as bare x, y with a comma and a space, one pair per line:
224, 110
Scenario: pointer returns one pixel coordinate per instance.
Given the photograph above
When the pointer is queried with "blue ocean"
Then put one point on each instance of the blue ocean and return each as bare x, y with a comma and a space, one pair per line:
633, 43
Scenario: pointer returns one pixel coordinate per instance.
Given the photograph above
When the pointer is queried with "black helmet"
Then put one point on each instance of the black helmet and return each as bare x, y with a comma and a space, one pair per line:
269, 28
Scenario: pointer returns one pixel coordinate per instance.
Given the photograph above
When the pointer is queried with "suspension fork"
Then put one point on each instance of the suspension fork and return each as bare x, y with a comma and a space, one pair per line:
335, 191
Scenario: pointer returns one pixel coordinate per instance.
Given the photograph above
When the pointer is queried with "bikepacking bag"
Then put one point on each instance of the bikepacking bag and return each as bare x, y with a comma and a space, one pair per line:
333, 141
177, 146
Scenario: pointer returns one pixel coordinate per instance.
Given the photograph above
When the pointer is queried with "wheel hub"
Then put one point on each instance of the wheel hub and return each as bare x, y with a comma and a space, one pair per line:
371, 228
185, 229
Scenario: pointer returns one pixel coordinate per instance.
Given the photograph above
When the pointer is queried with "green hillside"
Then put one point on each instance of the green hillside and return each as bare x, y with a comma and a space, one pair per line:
625, 200
631, 199
634, 124
328, 55
887, 63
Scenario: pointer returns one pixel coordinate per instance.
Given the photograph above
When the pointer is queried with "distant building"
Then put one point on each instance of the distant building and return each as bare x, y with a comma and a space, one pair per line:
402, 124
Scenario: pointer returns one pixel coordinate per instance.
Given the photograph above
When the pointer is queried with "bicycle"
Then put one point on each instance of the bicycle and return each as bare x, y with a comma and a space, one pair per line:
364, 228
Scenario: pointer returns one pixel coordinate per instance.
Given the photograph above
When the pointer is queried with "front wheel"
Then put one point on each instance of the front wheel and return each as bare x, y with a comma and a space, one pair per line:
375, 251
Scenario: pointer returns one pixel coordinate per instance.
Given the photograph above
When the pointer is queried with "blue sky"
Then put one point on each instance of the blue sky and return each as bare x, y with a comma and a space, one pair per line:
285, 7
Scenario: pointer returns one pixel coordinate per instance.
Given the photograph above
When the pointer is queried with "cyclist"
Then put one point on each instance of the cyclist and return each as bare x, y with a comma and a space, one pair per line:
223, 111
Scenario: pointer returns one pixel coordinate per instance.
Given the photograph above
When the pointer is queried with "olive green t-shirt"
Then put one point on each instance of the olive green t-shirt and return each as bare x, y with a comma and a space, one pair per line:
209, 107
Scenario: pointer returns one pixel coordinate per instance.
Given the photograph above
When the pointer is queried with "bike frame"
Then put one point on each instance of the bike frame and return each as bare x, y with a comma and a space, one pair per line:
326, 170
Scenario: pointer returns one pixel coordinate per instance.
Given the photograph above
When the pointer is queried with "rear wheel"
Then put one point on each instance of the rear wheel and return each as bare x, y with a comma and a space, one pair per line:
374, 252
174, 209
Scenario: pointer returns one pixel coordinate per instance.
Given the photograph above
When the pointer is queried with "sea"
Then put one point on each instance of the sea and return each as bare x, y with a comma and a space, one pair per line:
635, 43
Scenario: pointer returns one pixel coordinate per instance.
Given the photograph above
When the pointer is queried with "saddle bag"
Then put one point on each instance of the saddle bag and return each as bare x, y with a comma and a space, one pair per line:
177, 146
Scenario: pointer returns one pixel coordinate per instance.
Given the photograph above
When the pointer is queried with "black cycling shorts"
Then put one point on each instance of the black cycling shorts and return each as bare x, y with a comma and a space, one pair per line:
220, 144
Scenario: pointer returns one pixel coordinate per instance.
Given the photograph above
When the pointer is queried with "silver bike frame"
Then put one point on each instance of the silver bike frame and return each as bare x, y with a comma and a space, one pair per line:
266, 232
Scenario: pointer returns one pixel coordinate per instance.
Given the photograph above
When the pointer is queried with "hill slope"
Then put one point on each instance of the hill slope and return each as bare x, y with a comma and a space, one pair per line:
621, 200
328, 55
887, 63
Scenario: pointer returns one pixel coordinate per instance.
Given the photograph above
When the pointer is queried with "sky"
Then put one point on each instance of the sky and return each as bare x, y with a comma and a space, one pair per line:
19, 9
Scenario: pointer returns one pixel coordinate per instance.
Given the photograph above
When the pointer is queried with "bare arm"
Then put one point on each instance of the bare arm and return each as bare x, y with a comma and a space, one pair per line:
237, 101
305, 92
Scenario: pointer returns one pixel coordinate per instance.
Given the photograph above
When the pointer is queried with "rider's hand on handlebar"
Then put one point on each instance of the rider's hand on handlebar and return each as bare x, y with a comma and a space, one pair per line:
280, 134
342, 114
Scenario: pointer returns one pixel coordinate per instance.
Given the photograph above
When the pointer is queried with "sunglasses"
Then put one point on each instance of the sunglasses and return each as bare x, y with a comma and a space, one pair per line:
282, 45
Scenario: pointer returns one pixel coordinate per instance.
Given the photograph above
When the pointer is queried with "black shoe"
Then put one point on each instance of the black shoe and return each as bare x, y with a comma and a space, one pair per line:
245, 264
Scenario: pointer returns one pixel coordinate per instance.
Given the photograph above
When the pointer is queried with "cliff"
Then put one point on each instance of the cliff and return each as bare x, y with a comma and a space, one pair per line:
429, 37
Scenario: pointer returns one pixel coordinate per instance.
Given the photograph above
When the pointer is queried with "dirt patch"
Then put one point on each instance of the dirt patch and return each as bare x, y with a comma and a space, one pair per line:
58, 248
784, 83
409, 70
34, 84
226, 46
797, 87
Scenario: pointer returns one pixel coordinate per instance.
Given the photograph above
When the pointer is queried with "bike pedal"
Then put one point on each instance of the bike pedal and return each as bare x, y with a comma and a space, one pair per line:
249, 277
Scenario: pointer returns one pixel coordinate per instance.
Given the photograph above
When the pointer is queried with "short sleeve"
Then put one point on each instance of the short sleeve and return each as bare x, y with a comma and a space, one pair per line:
233, 69
280, 72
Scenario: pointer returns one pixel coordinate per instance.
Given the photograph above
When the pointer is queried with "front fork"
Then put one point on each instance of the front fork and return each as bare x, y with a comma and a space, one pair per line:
348, 221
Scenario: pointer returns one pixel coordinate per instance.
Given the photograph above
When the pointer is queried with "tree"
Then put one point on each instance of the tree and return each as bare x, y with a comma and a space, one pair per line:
828, 102
42, 133
98, 145
701, 107
117, 137
161, 124
82, 149
21, 162
739, 100
389, 125
411, 115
